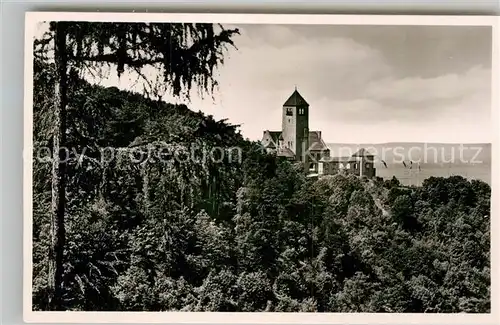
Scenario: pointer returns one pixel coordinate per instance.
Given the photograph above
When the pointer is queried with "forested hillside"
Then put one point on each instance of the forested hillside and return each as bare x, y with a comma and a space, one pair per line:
160, 233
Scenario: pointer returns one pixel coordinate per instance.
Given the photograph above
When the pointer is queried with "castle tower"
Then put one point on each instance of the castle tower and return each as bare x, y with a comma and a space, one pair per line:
295, 124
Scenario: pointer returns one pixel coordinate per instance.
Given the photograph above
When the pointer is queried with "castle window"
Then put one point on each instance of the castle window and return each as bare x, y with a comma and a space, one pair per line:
348, 166
355, 166
289, 111
302, 111
367, 166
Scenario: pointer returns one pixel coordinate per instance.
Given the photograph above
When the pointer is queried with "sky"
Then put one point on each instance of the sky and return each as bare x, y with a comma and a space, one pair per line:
364, 84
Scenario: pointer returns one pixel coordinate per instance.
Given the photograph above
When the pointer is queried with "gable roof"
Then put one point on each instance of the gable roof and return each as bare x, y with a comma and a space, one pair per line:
270, 145
362, 153
316, 142
275, 135
285, 152
296, 100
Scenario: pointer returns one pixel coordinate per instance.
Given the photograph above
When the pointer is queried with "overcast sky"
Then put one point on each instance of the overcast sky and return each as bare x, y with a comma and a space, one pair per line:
364, 84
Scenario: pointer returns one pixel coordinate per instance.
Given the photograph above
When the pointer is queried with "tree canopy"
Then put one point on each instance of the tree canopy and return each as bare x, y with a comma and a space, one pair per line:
186, 53
249, 235
244, 230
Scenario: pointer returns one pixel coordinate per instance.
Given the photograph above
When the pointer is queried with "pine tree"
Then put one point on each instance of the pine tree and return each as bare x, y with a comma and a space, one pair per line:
187, 55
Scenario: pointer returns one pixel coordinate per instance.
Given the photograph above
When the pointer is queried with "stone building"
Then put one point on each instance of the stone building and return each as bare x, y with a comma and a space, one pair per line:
360, 163
295, 141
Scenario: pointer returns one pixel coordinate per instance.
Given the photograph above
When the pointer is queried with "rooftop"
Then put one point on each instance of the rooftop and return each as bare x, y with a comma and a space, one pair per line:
316, 142
285, 152
339, 159
363, 153
296, 100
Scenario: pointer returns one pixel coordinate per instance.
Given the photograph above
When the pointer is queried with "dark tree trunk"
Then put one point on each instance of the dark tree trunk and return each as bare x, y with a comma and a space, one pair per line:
56, 267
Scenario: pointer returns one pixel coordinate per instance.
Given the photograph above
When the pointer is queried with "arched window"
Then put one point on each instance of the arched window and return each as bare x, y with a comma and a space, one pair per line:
348, 166
289, 111
302, 111
341, 166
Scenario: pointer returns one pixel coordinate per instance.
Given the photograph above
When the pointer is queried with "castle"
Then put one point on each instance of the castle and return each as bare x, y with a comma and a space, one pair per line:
296, 143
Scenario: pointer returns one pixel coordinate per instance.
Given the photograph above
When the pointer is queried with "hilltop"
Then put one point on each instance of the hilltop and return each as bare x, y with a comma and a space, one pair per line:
249, 235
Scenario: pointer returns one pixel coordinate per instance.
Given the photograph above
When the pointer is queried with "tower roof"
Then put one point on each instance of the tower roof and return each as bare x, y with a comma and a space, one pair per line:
296, 100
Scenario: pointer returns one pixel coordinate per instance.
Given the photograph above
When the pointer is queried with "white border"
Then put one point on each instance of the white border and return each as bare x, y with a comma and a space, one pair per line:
255, 318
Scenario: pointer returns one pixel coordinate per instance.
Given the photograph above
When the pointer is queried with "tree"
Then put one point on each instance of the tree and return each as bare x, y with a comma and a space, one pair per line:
186, 54
164, 236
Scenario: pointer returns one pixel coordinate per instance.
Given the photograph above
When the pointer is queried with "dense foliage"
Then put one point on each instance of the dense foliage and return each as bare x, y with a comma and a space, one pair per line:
184, 54
147, 230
